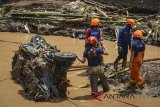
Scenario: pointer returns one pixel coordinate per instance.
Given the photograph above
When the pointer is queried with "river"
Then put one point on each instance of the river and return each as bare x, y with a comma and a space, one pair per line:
68, 44
11, 94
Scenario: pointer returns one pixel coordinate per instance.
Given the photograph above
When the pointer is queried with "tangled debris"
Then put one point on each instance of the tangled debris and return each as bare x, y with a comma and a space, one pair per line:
70, 18
150, 74
41, 69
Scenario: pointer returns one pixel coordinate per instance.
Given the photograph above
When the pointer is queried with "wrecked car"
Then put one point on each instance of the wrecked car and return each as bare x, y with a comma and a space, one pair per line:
41, 69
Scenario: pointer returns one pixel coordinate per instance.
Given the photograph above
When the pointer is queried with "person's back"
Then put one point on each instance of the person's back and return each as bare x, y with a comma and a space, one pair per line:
93, 56
94, 32
124, 36
138, 47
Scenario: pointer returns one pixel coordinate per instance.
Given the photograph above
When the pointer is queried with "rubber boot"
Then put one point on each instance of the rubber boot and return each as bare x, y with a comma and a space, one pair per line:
124, 64
116, 63
132, 86
140, 85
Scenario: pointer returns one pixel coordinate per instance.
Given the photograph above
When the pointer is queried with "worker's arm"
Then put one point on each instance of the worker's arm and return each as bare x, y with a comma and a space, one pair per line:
120, 37
120, 40
87, 35
133, 49
130, 41
101, 43
82, 60
101, 37
104, 50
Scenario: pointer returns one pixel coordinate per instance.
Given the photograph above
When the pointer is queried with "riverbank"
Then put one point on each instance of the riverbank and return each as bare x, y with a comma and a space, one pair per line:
70, 18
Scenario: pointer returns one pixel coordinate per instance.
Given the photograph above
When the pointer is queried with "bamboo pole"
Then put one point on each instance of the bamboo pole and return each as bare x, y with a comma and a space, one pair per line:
109, 76
50, 19
101, 12
120, 72
17, 13
83, 67
146, 60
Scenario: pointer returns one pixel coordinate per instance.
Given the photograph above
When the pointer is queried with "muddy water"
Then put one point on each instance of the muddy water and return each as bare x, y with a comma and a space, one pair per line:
11, 93
72, 45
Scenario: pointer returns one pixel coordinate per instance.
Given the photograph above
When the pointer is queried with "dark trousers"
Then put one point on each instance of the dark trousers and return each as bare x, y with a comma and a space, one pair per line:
95, 73
122, 54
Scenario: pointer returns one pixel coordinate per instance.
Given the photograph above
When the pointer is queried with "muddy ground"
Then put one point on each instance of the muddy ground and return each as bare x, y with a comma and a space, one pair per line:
12, 95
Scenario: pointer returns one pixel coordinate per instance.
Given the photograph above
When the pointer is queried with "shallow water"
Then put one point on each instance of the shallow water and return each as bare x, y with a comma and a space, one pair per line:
76, 46
11, 93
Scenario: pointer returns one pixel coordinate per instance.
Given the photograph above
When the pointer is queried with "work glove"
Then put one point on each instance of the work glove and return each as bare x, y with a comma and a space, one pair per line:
120, 49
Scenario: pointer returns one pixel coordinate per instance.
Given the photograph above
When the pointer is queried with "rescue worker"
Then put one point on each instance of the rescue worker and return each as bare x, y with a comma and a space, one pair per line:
124, 41
94, 31
137, 55
93, 56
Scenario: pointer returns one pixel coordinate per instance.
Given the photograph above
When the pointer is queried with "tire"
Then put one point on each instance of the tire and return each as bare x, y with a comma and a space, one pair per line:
37, 40
65, 57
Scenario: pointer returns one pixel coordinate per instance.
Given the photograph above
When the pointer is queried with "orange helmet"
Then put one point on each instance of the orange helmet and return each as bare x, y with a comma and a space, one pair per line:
95, 22
138, 34
92, 40
131, 22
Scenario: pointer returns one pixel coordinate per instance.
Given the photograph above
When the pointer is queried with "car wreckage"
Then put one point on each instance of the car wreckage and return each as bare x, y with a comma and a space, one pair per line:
41, 69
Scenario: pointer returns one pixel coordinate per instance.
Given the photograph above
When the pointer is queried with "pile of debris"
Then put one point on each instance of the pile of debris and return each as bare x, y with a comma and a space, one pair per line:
150, 74
41, 69
70, 18
119, 79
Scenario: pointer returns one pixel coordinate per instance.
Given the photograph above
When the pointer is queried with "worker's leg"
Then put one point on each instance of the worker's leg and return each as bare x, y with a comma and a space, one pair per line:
125, 52
124, 64
104, 82
132, 75
120, 56
102, 59
94, 83
135, 76
93, 80
103, 79
116, 61
138, 77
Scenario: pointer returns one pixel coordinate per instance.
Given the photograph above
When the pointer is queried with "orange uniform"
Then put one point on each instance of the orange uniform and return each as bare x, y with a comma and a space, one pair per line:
138, 48
135, 76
